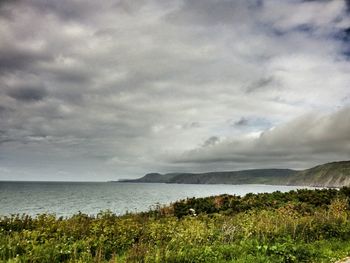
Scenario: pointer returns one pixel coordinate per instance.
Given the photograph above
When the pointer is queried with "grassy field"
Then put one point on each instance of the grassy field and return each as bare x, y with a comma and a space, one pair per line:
298, 226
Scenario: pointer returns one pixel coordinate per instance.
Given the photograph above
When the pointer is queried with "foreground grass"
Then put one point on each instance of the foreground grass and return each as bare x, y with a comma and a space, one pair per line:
299, 226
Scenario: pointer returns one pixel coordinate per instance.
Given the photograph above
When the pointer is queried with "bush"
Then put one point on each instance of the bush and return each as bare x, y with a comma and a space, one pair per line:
299, 226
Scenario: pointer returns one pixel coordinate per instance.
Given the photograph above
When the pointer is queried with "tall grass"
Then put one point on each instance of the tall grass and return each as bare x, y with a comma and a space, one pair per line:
299, 226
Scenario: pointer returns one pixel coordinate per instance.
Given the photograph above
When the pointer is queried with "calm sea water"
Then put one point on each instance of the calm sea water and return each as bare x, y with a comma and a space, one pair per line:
67, 198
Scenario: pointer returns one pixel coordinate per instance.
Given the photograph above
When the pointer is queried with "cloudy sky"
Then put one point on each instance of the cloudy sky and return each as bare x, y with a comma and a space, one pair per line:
101, 90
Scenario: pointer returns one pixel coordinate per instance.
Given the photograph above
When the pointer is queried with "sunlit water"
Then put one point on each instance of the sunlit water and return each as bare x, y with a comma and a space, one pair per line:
67, 198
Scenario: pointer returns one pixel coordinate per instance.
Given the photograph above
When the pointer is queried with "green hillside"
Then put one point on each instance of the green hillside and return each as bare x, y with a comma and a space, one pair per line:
256, 176
335, 174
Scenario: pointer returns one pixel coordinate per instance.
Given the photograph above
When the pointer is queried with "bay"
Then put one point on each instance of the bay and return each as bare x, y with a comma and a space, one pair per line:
68, 198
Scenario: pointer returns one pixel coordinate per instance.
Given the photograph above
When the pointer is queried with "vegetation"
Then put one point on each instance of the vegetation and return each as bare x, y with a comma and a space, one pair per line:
298, 226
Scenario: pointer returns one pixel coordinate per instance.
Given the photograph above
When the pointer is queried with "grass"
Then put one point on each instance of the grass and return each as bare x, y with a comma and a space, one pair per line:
298, 226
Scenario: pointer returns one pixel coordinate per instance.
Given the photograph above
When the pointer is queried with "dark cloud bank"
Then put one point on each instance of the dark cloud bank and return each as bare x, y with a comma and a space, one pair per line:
99, 91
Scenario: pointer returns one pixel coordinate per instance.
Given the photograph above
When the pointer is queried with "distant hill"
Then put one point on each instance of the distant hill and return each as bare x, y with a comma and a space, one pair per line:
152, 178
257, 176
335, 174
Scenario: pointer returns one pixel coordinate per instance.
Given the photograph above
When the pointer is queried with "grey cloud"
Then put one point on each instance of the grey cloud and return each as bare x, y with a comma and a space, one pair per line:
86, 11
241, 122
262, 83
6, 8
5, 138
71, 75
13, 58
211, 141
3, 109
214, 12
191, 125
252, 123
128, 6
346, 34
67, 10
28, 94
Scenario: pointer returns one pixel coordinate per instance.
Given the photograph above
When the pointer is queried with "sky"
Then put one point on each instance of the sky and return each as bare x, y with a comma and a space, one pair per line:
103, 90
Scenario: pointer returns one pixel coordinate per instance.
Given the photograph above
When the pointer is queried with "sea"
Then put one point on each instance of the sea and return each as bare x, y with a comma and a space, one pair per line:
68, 198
